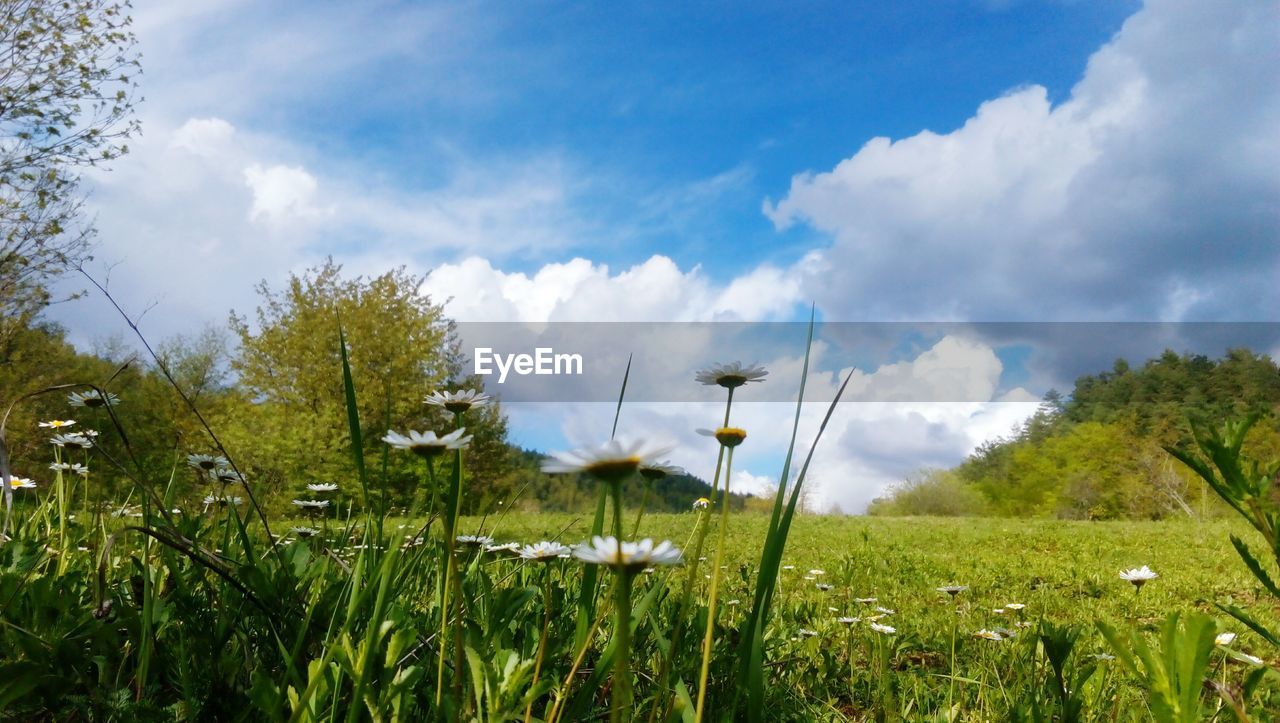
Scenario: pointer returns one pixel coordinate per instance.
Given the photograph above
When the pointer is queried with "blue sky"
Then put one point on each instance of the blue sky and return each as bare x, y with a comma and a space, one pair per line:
917, 161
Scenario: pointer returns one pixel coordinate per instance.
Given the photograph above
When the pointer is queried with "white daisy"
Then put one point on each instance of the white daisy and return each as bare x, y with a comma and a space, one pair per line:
322, 487
71, 441
228, 476
701, 503
823, 587
207, 462
474, 540
1224, 639
988, 635
726, 436
212, 500
506, 548
1014, 606
886, 629
57, 423
457, 402
1138, 576
731, 375
848, 620
311, 504
304, 531
627, 555
21, 483
427, 444
659, 470
953, 590
611, 461
545, 551
92, 398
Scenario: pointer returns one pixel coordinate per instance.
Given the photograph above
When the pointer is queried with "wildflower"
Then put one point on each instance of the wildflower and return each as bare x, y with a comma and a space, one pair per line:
885, 629
730, 375
998, 611
474, 540
611, 461
658, 470
953, 590
221, 500
1224, 639
228, 476
726, 436
848, 620
322, 487
823, 587
21, 483
544, 551
733, 603
427, 444
804, 633
506, 548
311, 504
57, 423
1138, 576
627, 555
92, 398
817, 572
457, 402
1022, 624
207, 462
1103, 657
784, 567
865, 600
71, 441
304, 531
701, 503
988, 635
1014, 606
1251, 659
884, 611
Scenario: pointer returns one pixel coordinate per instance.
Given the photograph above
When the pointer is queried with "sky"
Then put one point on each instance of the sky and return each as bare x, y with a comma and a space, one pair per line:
960, 161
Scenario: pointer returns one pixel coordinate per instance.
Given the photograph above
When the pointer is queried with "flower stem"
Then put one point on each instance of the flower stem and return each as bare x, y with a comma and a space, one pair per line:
620, 701
542, 640
709, 638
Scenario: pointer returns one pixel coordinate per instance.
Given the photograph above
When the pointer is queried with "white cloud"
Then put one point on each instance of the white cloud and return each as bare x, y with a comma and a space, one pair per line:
1151, 192
281, 193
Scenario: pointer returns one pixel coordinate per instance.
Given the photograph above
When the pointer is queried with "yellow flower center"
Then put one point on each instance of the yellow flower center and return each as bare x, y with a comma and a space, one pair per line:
731, 436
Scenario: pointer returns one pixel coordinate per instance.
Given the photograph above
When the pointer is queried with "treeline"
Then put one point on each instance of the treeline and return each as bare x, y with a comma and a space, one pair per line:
1098, 453
270, 386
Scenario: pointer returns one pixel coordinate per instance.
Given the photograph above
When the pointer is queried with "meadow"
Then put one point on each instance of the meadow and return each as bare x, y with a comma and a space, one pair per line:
164, 607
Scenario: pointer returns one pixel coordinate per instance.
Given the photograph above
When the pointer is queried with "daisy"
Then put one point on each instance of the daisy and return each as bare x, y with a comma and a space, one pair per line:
506, 548
885, 629
730, 375
474, 540
304, 531
865, 600
1014, 606
817, 572
71, 441
207, 462
953, 590
211, 500
823, 587
726, 436
884, 611
611, 461
311, 504
627, 555
21, 483
322, 487
457, 402
848, 620
659, 470
228, 476
988, 635
804, 633
1224, 639
1138, 576
57, 423
784, 567
545, 551
1103, 657
701, 503
427, 444
92, 398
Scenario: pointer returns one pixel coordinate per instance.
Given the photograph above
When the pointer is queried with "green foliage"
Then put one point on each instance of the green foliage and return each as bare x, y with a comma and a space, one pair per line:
936, 492
1173, 673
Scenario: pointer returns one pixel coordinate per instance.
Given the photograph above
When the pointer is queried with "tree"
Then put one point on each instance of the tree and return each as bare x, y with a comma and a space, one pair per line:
66, 103
291, 427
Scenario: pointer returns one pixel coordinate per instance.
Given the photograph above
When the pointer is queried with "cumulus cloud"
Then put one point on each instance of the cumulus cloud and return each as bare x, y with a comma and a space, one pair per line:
1150, 193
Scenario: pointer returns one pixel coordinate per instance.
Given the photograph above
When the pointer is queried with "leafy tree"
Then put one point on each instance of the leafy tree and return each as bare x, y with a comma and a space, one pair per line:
66, 103
290, 425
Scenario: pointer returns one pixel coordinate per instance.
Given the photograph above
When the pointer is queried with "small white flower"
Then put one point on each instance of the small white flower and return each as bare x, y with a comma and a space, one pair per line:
733, 603
1014, 606
627, 555
886, 629
304, 531
474, 540
805, 633
1138, 576
21, 483
848, 620
228, 476
207, 462
611, 461
701, 503
1224, 639
788, 567
731, 375
212, 500
988, 635
1104, 657
72, 441
660, 470
953, 590
92, 398
998, 611
57, 423
545, 551
427, 444
322, 487
457, 402
865, 600
311, 504
817, 572
823, 587
506, 548
884, 611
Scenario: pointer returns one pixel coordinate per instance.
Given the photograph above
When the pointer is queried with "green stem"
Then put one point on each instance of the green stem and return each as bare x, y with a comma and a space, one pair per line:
542, 640
620, 701
709, 638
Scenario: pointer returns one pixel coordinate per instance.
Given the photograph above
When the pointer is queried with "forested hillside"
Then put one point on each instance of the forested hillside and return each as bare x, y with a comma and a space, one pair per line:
1098, 453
